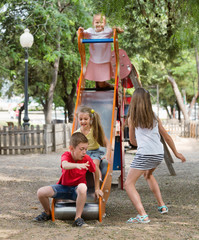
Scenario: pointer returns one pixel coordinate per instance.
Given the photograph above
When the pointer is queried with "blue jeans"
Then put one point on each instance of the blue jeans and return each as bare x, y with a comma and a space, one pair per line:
97, 153
64, 192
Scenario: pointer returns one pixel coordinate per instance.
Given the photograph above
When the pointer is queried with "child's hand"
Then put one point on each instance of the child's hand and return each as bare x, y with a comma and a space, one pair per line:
81, 28
83, 165
107, 157
98, 193
119, 29
180, 156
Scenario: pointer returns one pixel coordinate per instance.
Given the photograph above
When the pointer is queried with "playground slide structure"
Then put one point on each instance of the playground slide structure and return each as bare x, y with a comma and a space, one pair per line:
108, 104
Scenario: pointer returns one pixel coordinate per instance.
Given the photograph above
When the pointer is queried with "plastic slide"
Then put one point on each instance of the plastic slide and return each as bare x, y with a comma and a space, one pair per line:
108, 104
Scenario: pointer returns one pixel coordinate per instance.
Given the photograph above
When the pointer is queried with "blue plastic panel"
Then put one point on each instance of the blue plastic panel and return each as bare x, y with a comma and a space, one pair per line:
103, 40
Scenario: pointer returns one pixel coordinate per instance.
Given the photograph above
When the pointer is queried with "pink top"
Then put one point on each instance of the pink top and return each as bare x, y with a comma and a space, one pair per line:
99, 52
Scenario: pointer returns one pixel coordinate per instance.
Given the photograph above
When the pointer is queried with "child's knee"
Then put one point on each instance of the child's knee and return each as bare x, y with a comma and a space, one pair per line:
46, 191
126, 184
40, 192
82, 189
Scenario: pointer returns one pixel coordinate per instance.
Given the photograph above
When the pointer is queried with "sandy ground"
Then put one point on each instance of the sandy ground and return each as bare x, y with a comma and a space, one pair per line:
22, 175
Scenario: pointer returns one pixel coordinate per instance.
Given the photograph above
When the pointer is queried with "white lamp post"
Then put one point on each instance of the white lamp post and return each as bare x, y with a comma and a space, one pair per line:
26, 41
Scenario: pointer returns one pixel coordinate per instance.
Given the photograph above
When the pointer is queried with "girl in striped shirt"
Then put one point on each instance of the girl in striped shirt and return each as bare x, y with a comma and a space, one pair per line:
145, 129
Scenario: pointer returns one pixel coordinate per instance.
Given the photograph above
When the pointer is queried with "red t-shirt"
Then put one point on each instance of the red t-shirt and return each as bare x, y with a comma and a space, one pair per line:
73, 177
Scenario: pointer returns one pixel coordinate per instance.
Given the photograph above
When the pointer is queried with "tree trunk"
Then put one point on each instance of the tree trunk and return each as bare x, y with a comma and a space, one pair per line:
20, 112
179, 98
68, 98
65, 115
178, 109
194, 99
69, 103
53, 83
197, 65
168, 113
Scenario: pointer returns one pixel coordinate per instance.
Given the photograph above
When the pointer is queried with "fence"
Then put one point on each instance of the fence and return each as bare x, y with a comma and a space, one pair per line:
182, 129
52, 137
45, 139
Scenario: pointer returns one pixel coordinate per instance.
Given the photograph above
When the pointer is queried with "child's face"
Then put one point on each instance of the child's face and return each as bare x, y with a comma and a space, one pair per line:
99, 23
79, 151
84, 120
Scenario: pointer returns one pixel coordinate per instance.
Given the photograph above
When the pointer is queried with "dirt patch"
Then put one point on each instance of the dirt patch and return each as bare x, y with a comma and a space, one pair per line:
21, 176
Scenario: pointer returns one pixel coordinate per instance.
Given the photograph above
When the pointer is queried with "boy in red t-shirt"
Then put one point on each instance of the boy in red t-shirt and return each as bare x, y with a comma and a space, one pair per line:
72, 183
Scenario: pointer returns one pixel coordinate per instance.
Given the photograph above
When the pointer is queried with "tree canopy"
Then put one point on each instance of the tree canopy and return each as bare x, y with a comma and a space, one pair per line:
160, 37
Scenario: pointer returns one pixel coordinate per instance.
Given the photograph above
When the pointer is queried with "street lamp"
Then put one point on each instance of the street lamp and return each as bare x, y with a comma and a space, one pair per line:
26, 41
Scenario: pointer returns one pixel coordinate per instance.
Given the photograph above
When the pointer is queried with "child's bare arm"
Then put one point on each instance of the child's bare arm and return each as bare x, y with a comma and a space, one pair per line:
170, 141
81, 28
68, 165
118, 29
132, 133
98, 192
108, 150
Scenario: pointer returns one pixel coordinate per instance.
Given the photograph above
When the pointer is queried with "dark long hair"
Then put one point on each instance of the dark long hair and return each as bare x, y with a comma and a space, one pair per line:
140, 109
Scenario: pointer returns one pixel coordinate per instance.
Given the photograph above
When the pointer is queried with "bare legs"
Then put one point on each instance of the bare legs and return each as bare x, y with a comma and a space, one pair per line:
153, 185
134, 196
81, 199
43, 194
47, 192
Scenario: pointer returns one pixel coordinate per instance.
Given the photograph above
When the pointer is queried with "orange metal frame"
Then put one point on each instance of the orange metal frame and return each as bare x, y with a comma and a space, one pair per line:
81, 47
81, 87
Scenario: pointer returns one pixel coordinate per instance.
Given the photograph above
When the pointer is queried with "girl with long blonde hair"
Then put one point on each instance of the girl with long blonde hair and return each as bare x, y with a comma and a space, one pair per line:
99, 147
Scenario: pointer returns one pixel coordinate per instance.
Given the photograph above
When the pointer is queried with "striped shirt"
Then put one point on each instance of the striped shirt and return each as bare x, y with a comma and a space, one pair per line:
146, 162
150, 151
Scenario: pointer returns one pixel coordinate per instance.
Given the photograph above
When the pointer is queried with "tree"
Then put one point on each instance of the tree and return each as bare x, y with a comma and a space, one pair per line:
158, 37
178, 97
53, 25
154, 37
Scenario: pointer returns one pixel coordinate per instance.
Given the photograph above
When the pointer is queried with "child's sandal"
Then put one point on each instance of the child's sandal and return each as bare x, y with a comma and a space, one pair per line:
160, 209
139, 219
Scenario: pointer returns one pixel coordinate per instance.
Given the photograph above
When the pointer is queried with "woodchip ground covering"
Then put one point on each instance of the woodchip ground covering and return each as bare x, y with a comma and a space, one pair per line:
22, 175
